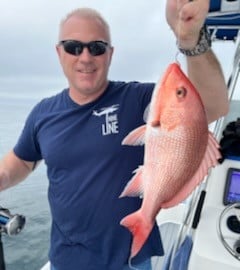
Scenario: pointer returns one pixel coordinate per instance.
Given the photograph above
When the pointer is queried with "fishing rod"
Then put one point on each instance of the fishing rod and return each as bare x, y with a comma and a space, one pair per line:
11, 225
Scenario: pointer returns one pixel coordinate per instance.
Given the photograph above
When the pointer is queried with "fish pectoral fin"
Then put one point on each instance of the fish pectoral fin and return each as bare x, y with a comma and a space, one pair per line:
210, 159
134, 186
135, 137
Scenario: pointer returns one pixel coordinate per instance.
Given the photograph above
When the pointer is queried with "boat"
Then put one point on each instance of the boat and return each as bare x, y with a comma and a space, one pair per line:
203, 232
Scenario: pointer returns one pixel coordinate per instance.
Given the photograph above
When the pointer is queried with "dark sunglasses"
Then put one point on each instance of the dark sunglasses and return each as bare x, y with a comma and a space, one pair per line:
76, 47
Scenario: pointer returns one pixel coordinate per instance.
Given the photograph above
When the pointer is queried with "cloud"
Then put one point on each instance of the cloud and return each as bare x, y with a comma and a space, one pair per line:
144, 44
29, 32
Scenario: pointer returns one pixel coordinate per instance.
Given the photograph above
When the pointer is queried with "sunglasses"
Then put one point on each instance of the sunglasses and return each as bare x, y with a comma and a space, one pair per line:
75, 47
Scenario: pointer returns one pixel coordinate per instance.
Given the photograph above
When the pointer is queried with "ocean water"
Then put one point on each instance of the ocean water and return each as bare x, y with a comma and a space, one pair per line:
29, 249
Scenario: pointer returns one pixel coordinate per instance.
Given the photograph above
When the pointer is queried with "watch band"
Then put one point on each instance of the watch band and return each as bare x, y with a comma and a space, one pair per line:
203, 45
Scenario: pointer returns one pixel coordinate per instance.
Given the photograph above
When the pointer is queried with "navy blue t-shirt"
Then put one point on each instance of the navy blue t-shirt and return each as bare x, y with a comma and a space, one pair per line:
88, 169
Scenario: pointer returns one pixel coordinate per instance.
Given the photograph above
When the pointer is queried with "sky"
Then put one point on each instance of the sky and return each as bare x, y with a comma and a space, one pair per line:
143, 42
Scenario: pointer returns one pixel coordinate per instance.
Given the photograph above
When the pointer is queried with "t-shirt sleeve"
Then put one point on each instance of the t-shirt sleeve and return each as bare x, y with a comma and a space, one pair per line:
145, 97
27, 147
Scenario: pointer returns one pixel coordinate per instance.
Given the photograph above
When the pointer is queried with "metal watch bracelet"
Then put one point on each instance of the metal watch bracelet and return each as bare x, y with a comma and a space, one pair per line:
203, 45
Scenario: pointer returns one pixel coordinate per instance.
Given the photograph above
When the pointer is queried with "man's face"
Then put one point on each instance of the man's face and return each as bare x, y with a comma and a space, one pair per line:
86, 74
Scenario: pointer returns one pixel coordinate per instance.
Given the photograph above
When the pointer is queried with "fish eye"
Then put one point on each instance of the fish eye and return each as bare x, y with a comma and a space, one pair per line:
181, 92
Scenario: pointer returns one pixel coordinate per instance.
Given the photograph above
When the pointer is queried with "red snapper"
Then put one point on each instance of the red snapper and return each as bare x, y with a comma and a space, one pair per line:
179, 150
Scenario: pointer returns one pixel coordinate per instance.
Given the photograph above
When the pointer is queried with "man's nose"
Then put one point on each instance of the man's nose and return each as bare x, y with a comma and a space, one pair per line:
85, 55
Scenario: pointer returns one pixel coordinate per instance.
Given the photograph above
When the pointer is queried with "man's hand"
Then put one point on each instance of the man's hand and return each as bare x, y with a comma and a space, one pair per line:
186, 18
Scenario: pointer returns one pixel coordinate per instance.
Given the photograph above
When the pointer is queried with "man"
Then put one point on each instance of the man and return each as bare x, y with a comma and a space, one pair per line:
79, 132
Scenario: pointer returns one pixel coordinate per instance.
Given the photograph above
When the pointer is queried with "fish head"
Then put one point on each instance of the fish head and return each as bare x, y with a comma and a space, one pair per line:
175, 101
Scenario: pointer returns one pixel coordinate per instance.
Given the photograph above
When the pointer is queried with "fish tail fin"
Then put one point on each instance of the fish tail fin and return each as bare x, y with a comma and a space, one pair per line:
140, 229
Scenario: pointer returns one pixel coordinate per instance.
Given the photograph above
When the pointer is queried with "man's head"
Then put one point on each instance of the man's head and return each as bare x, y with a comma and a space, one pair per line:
85, 62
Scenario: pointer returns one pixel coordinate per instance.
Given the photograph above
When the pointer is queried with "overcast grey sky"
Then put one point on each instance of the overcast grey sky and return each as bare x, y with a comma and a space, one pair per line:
144, 44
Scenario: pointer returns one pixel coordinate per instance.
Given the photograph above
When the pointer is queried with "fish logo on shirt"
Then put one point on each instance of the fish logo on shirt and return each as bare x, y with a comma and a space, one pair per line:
111, 120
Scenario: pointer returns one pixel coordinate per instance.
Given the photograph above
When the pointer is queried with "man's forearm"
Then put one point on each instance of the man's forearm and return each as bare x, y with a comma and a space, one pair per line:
206, 74
4, 179
12, 171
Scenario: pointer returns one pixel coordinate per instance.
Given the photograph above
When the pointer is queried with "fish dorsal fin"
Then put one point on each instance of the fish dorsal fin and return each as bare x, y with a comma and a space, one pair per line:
210, 159
136, 137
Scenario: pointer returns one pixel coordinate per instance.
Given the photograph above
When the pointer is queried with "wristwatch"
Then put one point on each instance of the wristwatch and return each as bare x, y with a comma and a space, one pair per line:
203, 45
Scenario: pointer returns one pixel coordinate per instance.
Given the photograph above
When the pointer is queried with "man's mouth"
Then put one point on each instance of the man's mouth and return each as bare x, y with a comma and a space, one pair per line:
86, 71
